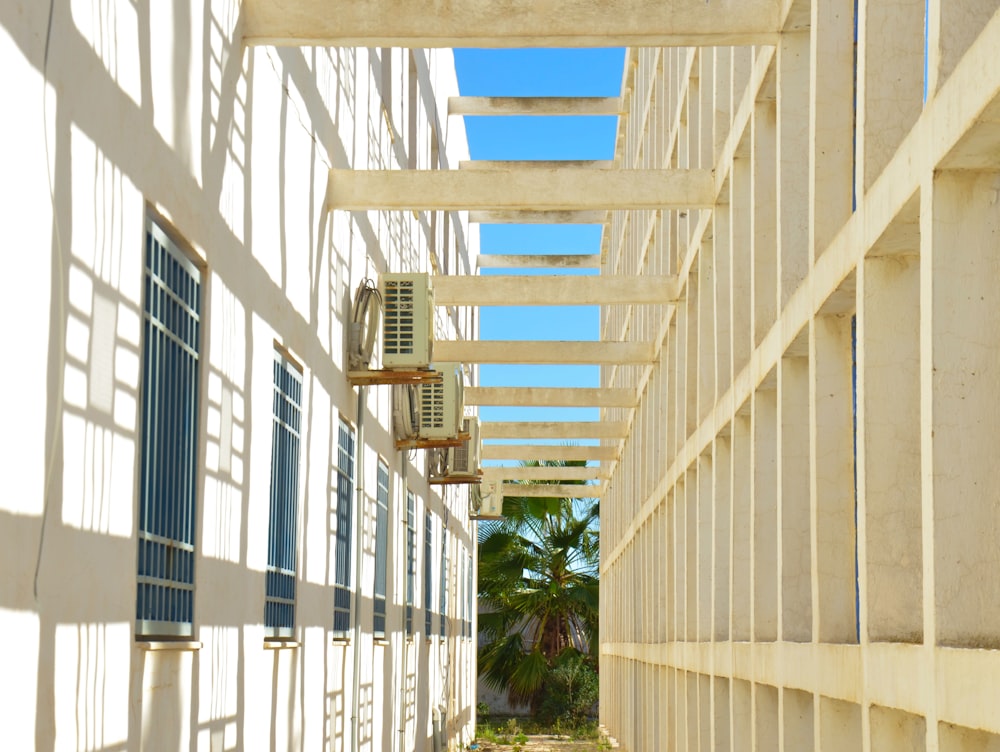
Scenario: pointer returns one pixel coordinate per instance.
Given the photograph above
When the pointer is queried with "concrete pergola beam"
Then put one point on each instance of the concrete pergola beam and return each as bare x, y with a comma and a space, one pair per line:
553, 290
553, 430
549, 396
539, 261
520, 189
544, 473
540, 452
534, 106
595, 217
553, 490
518, 23
536, 164
555, 353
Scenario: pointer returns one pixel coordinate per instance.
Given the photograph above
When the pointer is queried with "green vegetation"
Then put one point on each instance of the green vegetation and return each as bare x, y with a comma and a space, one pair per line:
538, 582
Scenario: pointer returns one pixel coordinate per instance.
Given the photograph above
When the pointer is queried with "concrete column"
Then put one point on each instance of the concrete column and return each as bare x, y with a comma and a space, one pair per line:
723, 91
795, 534
961, 336
766, 725
723, 299
707, 341
706, 524
742, 716
890, 81
796, 720
691, 554
764, 235
839, 726
680, 559
765, 516
741, 228
896, 729
888, 349
742, 528
723, 530
722, 708
693, 319
832, 452
953, 26
793, 162
831, 120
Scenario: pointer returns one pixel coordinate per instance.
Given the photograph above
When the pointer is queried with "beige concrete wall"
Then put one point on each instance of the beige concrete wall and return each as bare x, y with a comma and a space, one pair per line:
837, 320
114, 108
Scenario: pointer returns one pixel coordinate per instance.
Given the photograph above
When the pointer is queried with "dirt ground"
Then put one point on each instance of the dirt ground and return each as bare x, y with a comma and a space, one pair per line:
545, 743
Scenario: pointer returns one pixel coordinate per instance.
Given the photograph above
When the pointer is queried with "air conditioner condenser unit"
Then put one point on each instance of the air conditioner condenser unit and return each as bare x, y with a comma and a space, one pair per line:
486, 500
442, 404
407, 320
463, 461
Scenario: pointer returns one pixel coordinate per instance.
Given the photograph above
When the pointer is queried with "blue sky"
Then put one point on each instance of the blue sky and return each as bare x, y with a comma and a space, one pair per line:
539, 72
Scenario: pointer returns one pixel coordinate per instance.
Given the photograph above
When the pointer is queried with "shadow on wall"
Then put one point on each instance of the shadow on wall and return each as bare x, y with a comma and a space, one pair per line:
115, 140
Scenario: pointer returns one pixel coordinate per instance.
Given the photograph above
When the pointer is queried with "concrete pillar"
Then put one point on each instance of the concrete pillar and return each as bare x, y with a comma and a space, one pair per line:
723, 299
722, 709
960, 328
766, 725
795, 533
796, 721
765, 516
832, 451
740, 226
793, 162
897, 729
723, 531
889, 411
890, 81
742, 528
706, 524
764, 235
839, 726
707, 340
953, 25
742, 716
831, 120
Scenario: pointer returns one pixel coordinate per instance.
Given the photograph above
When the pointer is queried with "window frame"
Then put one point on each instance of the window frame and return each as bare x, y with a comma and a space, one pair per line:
411, 558
174, 283
344, 514
282, 545
380, 590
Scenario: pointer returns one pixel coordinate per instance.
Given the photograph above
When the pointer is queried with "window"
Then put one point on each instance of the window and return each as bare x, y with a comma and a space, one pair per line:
411, 556
282, 551
428, 576
381, 534
169, 439
342, 562
443, 594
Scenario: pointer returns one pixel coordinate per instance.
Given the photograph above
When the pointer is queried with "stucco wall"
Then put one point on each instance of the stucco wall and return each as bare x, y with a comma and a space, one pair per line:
115, 110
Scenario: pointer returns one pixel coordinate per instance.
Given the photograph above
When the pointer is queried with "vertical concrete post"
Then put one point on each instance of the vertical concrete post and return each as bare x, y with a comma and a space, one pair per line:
795, 533
832, 452
765, 515
831, 120
890, 81
764, 236
962, 340
889, 411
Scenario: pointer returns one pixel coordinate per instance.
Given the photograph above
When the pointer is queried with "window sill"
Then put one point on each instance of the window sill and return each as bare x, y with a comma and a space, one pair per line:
281, 644
341, 640
179, 645
383, 641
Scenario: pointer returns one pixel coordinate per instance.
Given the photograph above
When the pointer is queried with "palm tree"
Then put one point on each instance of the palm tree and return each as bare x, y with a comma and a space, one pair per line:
538, 583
